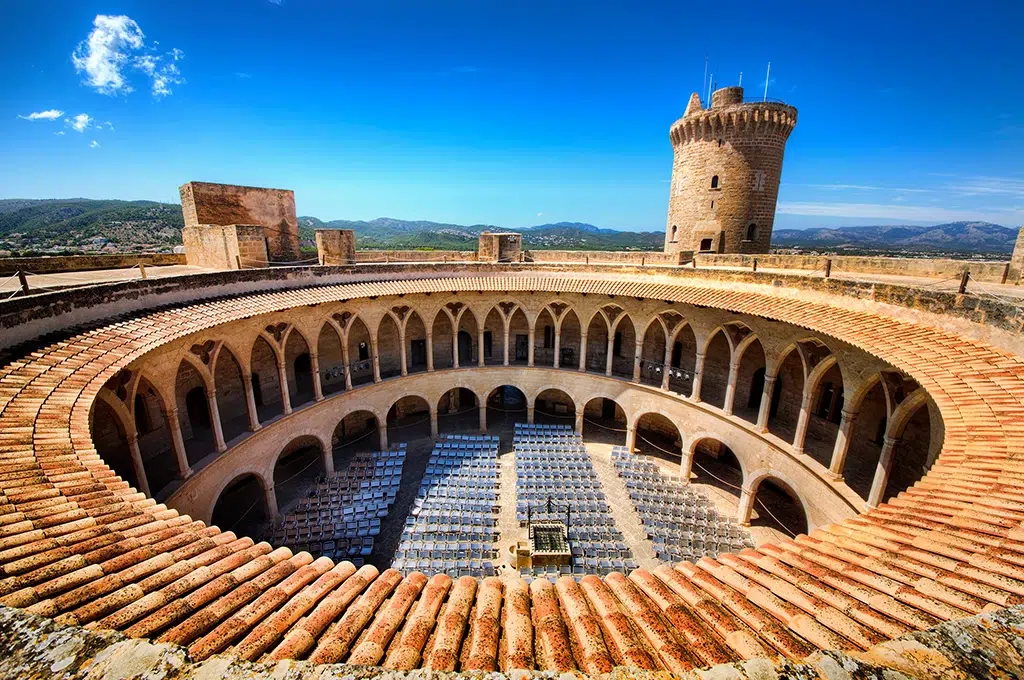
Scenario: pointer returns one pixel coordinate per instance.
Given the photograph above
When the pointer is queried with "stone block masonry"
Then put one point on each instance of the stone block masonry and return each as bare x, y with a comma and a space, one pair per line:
336, 246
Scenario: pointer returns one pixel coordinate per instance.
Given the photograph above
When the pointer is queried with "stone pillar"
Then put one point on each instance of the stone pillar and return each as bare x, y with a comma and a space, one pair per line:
314, 367
250, 403
433, 424
842, 444
455, 345
746, 506
666, 366
882, 472
329, 462
137, 466
382, 435
630, 438
376, 366
637, 356
529, 415
348, 366
583, 352
802, 422
579, 422
609, 358
730, 387
558, 347
686, 466
482, 410
286, 397
505, 358
480, 345
430, 352
177, 442
402, 353
698, 376
272, 510
766, 402
218, 431
531, 344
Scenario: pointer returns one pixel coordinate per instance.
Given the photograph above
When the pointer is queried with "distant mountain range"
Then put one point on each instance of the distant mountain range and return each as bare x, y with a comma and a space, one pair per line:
85, 225
961, 237
385, 232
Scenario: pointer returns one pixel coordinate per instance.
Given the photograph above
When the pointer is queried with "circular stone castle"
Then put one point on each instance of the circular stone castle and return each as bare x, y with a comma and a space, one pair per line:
227, 471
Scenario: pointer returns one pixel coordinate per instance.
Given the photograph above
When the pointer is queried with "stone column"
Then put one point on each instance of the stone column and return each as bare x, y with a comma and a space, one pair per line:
637, 357
272, 504
480, 345
686, 466
286, 398
430, 352
698, 376
802, 422
557, 363
376, 366
583, 352
433, 424
505, 358
882, 472
766, 402
730, 387
610, 357
137, 466
746, 506
531, 344
348, 366
666, 366
177, 442
630, 438
218, 431
529, 415
314, 367
455, 346
401, 352
482, 410
382, 435
250, 403
329, 462
579, 422
842, 446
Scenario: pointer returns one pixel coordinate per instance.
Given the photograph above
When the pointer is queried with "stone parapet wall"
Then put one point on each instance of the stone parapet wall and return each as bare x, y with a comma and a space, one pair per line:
986, 271
387, 256
608, 256
85, 263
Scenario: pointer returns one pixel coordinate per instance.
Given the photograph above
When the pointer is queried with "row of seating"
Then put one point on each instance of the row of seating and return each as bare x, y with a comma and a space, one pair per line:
556, 481
451, 527
680, 521
342, 512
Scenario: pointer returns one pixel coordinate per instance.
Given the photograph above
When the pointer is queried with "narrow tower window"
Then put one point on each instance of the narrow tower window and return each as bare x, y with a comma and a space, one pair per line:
752, 232
705, 244
674, 230
714, 182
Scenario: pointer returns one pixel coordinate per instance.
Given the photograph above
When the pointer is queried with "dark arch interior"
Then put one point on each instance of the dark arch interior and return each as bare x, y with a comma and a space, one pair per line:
716, 465
300, 462
506, 406
776, 506
241, 507
458, 411
658, 436
408, 419
554, 407
604, 421
111, 442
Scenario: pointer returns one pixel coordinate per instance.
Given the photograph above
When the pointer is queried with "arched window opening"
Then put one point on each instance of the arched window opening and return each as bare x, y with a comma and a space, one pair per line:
675, 230
197, 408
143, 425
752, 232
777, 507
604, 421
241, 507
714, 182
364, 352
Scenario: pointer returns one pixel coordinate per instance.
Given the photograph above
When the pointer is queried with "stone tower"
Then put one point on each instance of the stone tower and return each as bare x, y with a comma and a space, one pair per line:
725, 174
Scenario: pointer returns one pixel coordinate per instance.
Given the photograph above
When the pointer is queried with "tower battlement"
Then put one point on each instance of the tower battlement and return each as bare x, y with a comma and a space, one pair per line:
726, 173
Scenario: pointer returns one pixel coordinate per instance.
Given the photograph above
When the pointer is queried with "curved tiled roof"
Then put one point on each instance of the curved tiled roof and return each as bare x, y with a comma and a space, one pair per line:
78, 545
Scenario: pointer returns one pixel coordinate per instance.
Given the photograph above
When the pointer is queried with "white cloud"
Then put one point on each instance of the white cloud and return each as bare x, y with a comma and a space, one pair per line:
80, 123
59, 133
921, 213
117, 43
109, 125
94, 144
276, 2
51, 114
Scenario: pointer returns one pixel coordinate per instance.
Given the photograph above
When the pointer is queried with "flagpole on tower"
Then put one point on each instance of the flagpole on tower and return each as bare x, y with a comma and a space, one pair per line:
766, 78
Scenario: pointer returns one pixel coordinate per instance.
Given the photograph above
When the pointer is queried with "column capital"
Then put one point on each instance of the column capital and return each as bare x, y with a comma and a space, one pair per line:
890, 442
849, 416
770, 379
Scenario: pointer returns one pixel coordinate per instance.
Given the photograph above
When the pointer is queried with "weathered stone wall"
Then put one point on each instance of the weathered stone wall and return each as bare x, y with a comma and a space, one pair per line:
987, 271
336, 246
499, 247
232, 246
389, 256
1017, 259
204, 203
84, 263
598, 256
725, 174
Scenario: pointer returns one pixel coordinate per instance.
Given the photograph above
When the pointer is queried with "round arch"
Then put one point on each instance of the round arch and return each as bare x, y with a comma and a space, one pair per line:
243, 505
300, 462
553, 406
408, 418
714, 464
657, 435
506, 406
776, 502
605, 421
458, 410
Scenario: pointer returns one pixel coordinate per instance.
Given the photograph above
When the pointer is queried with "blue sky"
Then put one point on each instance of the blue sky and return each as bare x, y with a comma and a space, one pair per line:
511, 114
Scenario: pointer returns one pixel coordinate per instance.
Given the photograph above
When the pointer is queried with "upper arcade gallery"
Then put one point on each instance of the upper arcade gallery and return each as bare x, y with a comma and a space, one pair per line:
839, 429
